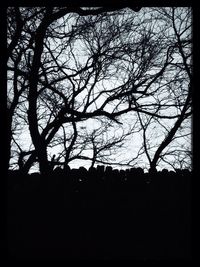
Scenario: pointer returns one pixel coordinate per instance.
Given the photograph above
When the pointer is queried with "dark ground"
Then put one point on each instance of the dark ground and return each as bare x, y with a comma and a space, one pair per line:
103, 216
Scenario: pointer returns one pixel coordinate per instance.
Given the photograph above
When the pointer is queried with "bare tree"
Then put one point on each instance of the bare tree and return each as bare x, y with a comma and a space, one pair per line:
19, 46
90, 63
175, 95
36, 26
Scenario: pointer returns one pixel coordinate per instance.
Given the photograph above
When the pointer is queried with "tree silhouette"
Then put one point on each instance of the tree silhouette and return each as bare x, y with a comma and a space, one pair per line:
81, 63
180, 98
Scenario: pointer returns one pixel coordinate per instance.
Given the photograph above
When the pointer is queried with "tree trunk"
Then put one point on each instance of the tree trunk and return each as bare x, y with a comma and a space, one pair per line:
9, 138
28, 164
43, 162
38, 140
171, 133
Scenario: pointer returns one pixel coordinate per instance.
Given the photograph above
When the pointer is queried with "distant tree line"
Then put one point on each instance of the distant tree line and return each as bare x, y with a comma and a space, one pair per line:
104, 180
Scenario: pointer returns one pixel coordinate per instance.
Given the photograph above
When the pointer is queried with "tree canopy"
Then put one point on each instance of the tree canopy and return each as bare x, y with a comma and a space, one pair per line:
102, 85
